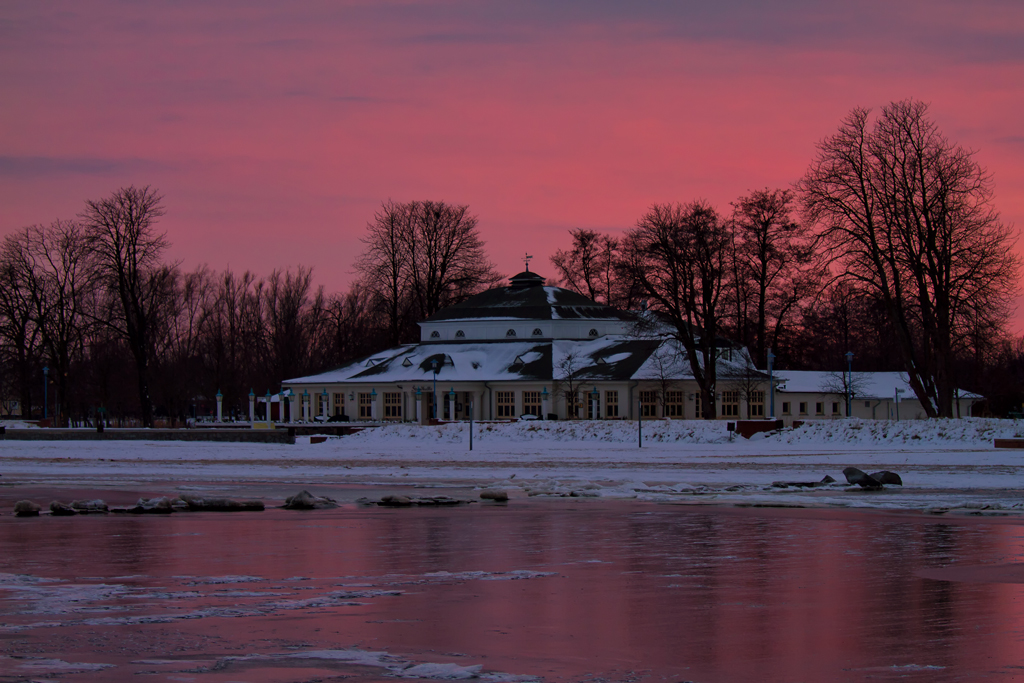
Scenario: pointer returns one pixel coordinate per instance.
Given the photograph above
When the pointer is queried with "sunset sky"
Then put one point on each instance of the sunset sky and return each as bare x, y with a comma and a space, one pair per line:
274, 130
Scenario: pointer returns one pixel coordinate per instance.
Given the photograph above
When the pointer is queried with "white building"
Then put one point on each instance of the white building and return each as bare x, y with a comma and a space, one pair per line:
529, 349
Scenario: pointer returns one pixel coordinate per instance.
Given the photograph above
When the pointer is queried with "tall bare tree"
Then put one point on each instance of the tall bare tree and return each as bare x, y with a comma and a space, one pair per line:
128, 251
422, 256
678, 256
773, 268
908, 215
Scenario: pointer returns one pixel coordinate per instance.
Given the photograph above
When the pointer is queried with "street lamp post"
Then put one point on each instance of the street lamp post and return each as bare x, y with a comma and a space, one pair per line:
897, 391
849, 382
771, 385
593, 403
46, 373
433, 396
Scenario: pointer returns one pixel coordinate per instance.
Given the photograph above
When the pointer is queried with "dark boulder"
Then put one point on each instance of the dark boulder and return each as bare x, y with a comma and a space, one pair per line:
497, 495
59, 509
828, 479
395, 501
152, 506
197, 504
87, 506
887, 477
861, 478
304, 500
26, 508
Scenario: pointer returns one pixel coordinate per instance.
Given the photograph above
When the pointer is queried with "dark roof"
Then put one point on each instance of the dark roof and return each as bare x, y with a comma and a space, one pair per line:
638, 350
527, 298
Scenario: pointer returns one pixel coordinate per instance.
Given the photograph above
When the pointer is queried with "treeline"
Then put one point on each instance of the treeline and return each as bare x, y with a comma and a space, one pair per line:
888, 248
94, 302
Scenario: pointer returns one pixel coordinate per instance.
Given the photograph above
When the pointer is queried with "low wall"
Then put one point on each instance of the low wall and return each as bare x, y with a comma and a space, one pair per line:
221, 435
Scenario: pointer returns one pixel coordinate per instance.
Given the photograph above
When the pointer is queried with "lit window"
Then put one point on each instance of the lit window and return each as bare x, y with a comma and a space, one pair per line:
506, 403
532, 403
611, 404
649, 403
755, 404
730, 404
392, 406
673, 404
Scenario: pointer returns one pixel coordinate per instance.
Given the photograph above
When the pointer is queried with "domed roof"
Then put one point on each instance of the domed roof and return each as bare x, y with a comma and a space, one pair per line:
526, 298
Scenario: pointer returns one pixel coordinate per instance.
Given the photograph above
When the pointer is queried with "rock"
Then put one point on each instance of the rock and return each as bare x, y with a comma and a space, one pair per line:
796, 484
497, 495
828, 479
26, 508
887, 477
861, 478
304, 500
395, 501
152, 506
86, 506
197, 504
58, 509
438, 500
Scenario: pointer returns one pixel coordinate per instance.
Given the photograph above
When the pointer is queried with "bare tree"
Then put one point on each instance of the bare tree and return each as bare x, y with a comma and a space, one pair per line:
422, 256
908, 215
19, 334
128, 250
568, 379
59, 276
678, 256
773, 267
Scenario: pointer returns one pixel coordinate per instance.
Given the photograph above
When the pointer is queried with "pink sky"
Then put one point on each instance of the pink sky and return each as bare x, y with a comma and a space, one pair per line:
275, 130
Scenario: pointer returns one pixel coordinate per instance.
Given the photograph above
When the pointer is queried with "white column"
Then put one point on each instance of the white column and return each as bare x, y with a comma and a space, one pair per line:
419, 406
451, 406
294, 405
220, 406
252, 406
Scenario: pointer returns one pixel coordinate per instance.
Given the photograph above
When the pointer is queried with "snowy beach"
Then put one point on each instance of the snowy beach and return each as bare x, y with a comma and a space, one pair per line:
944, 464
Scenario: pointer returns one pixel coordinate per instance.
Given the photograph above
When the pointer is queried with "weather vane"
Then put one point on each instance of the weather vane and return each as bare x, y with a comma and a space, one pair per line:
527, 258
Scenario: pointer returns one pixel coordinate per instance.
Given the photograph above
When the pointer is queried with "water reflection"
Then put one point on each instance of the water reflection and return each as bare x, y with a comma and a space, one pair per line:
621, 591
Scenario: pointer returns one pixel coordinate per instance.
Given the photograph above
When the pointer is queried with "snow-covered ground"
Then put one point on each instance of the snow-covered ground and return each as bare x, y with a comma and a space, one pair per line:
944, 463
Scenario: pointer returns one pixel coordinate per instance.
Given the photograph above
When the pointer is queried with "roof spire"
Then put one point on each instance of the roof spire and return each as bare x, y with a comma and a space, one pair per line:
527, 258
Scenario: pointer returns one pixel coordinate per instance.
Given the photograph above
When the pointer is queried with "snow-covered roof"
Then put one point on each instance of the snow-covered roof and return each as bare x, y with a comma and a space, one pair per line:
866, 385
526, 298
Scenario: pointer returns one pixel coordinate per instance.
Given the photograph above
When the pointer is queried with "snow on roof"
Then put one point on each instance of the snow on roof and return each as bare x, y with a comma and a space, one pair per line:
456, 362
866, 385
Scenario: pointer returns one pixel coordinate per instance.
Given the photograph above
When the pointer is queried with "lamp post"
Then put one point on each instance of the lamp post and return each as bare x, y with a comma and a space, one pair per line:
433, 396
897, 391
849, 382
220, 406
419, 405
373, 404
324, 402
593, 403
639, 423
46, 373
451, 403
544, 403
771, 385
305, 405
268, 407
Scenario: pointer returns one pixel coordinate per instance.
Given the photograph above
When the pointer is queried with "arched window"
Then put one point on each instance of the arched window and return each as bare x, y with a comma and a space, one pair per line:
459, 334
537, 332
435, 335
593, 332
510, 333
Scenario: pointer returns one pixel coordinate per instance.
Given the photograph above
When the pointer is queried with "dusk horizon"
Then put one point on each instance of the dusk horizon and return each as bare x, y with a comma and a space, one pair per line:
275, 134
